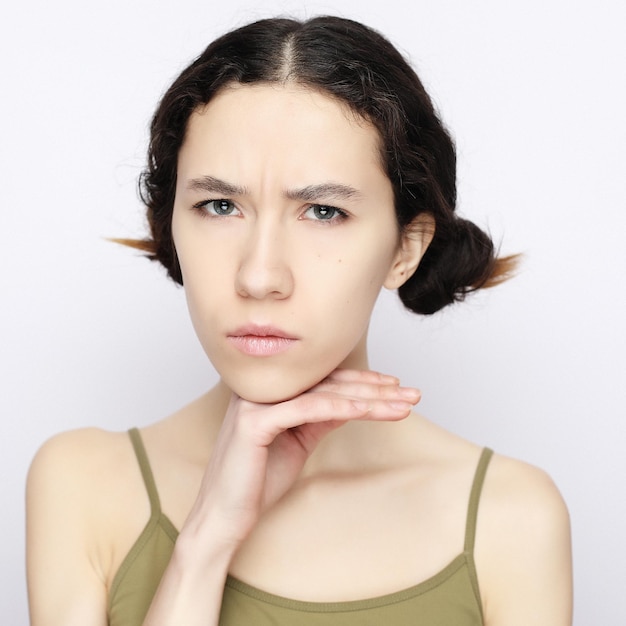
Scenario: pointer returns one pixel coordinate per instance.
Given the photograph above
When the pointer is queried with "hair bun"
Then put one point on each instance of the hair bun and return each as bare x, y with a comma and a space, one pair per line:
459, 260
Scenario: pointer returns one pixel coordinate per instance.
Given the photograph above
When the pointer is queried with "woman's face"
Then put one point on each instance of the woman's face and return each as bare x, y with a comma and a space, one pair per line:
285, 231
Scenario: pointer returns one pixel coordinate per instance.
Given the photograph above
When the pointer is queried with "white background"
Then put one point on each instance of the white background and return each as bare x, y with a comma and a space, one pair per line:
535, 94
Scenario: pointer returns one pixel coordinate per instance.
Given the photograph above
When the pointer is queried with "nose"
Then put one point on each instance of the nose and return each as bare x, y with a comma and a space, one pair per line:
264, 270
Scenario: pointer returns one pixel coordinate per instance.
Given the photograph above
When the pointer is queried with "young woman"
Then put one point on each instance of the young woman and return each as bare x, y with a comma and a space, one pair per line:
294, 170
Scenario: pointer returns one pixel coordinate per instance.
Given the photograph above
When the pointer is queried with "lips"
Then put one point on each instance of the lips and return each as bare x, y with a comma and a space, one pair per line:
255, 340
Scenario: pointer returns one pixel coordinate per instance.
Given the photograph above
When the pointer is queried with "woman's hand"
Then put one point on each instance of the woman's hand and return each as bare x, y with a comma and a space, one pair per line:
262, 448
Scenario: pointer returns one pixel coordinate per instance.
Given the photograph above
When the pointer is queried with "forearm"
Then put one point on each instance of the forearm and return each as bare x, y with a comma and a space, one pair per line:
191, 589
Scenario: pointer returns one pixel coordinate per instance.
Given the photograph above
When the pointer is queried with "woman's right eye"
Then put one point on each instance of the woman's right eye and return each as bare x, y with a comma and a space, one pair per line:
217, 208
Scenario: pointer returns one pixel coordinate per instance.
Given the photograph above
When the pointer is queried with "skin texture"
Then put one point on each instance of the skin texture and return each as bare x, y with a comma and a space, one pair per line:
267, 473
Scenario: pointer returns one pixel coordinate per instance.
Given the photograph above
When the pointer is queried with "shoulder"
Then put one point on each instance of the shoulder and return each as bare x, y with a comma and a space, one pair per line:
84, 473
523, 551
74, 444
522, 498
83, 486
514, 485
74, 490
78, 458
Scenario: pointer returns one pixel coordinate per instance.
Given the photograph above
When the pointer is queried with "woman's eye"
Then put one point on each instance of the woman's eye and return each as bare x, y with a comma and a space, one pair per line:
323, 213
219, 208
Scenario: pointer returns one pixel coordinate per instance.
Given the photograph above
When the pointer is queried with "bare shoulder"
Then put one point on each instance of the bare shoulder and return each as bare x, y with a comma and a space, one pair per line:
510, 486
85, 478
83, 474
72, 494
514, 485
524, 499
81, 443
523, 546
85, 507
80, 459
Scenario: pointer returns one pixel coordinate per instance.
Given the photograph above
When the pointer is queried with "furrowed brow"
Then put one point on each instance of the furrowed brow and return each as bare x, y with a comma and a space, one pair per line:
329, 191
310, 193
211, 184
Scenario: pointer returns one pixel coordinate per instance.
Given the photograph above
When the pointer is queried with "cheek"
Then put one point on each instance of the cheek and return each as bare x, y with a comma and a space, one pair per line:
208, 293
203, 281
353, 306
348, 287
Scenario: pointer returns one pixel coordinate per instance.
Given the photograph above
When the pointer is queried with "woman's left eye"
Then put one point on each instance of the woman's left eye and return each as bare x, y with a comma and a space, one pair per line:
323, 213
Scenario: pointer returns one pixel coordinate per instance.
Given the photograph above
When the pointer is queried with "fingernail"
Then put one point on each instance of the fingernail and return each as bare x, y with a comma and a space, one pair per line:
410, 393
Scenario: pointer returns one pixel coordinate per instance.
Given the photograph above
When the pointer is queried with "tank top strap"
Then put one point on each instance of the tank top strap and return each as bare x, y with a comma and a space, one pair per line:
474, 500
146, 471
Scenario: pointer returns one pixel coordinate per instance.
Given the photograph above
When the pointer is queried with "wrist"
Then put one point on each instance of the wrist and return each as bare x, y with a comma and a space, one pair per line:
191, 589
198, 549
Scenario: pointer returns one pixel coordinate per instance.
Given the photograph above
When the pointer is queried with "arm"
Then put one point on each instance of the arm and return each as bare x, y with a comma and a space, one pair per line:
523, 549
64, 585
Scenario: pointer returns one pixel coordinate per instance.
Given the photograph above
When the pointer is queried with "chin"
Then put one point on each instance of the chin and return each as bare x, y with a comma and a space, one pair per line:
271, 385
265, 394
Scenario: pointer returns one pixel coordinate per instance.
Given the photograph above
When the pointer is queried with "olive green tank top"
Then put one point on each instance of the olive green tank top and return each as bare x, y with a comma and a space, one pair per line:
449, 598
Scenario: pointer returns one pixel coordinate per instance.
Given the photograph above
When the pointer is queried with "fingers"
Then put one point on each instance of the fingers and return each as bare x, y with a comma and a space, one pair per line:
342, 396
364, 391
325, 406
365, 376
367, 385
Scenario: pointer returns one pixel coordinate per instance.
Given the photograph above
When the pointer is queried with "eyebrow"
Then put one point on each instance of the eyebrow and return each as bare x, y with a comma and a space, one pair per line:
324, 190
310, 193
215, 185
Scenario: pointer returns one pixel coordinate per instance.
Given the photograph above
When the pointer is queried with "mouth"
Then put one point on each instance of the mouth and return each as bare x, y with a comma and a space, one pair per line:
256, 340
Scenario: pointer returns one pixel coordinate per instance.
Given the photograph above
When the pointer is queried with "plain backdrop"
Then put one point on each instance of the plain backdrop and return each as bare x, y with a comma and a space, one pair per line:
535, 94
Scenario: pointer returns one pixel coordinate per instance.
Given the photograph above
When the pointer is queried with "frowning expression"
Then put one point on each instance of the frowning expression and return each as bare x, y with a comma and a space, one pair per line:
285, 231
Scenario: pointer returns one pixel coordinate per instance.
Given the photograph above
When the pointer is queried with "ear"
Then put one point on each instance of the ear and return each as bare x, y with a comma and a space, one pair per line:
414, 242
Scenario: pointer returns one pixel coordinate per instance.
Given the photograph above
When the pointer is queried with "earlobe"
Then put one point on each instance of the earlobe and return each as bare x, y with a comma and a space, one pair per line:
414, 242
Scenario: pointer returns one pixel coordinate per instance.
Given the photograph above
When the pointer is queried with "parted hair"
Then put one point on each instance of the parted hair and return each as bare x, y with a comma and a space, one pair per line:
359, 67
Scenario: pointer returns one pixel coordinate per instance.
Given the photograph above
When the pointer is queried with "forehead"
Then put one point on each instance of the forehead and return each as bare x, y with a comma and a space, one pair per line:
282, 128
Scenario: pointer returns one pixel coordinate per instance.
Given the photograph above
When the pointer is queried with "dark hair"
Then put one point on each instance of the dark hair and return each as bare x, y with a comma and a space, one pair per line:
359, 67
